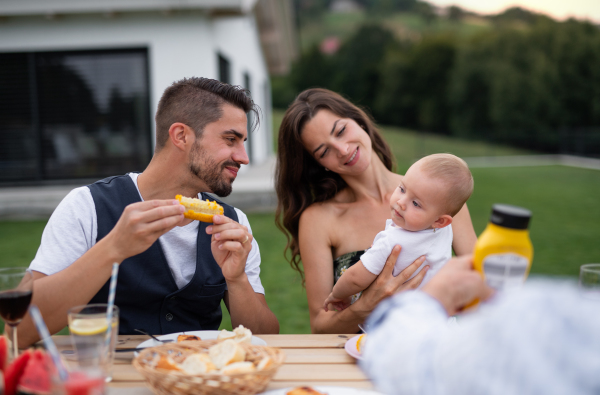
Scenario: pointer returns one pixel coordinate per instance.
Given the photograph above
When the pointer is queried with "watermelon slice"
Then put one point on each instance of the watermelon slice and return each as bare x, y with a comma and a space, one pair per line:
3, 352
80, 383
13, 372
35, 379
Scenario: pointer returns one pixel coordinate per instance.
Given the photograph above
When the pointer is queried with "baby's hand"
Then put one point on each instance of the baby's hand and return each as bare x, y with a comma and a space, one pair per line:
337, 303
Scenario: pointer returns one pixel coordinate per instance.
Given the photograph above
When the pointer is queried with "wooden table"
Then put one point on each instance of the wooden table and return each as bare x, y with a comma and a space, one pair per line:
310, 360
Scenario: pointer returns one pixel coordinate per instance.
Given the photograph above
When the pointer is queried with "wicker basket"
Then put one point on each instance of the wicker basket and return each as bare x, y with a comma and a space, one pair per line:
180, 383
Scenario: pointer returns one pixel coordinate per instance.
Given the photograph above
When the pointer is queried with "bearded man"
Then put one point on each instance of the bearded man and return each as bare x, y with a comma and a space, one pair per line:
173, 272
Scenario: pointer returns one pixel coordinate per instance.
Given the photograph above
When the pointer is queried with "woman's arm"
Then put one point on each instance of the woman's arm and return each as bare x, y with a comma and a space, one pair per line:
464, 234
317, 260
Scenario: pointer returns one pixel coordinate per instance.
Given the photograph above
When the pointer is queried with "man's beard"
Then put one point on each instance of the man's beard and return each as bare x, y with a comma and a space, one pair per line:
211, 172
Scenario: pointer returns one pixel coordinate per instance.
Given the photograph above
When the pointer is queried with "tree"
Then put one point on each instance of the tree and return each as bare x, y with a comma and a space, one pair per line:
357, 63
414, 84
312, 69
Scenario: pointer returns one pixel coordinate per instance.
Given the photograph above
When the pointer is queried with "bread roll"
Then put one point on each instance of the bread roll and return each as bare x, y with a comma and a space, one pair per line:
167, 363
242, 335
226, 352
239, 334
264, 363
238, 367
197, 364
225, 334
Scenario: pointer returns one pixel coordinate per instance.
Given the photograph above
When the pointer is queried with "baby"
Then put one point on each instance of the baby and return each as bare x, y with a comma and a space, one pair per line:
433, 190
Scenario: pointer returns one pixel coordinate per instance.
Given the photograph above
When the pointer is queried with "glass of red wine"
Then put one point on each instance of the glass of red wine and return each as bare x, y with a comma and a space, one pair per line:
16, 288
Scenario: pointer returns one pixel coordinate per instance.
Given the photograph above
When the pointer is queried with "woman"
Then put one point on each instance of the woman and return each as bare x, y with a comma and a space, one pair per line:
334, 180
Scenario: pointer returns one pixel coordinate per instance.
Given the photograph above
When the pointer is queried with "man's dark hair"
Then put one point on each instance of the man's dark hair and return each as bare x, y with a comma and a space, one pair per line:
196, 102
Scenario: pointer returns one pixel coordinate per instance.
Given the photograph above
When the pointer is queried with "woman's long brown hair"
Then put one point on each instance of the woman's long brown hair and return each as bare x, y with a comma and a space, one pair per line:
299, 180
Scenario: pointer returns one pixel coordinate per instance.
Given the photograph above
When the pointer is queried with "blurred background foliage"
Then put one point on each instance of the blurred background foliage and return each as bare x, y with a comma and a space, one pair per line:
517, 78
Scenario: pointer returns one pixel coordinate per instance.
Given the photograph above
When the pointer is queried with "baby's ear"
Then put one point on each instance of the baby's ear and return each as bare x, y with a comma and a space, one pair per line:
442, 221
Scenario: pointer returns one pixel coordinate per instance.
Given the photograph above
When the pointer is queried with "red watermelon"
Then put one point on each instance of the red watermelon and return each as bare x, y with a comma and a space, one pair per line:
36, 377
3, 352
13, 372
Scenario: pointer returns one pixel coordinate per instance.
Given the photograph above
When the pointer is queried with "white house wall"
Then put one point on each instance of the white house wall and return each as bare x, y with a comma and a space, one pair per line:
179, 45
237, 38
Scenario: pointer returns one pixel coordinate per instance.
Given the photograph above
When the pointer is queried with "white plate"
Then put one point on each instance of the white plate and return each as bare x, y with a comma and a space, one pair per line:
327, 390
204, 335
351, 348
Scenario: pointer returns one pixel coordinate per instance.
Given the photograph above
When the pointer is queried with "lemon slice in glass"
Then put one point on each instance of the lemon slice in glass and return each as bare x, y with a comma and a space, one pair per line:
88, 326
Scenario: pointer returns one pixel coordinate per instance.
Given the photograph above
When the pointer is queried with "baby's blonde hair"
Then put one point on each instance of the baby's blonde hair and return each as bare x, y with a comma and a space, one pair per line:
455, 174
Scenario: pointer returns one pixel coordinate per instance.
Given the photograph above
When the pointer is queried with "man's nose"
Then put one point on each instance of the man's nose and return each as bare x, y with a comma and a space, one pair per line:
240, 155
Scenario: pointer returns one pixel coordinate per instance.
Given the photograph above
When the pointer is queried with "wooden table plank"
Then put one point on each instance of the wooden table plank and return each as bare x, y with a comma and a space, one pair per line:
306, 341
317, 355
311, 372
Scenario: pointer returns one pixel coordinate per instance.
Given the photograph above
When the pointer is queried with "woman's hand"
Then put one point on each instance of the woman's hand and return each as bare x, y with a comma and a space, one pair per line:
386, 285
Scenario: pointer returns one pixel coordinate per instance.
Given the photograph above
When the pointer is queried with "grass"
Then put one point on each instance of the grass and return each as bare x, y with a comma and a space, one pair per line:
564, 228
408, 146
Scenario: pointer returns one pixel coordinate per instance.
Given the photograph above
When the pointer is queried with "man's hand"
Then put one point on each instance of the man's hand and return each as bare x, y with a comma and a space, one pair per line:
457, 284
230, 244
141, 224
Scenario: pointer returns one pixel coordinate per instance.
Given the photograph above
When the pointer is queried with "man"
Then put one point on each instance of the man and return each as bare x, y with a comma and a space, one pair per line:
174, 272
540, 339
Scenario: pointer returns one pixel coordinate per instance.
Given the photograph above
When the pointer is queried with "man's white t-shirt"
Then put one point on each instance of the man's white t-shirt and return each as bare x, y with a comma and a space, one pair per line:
73, 228
436, 246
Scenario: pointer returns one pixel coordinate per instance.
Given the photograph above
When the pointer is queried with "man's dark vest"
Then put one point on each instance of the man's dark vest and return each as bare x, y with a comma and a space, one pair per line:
147, 295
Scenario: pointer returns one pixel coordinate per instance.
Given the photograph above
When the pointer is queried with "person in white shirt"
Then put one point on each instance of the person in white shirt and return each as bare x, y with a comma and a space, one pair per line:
432, 191
539, 339
174, 271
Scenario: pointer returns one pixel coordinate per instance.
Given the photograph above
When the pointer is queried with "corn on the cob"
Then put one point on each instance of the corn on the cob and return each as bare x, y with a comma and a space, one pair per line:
199, 209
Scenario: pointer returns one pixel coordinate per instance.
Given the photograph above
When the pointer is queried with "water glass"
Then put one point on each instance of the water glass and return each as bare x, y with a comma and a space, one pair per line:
89, 331
589, 280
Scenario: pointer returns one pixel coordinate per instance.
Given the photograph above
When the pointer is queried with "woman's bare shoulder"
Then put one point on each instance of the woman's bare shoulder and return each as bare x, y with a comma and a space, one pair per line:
328, 209
316, 213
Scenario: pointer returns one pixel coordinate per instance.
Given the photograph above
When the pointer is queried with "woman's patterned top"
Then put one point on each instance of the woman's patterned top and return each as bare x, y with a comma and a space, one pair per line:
342, 263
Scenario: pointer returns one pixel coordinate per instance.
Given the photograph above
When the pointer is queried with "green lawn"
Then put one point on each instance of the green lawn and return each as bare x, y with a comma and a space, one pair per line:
564, 227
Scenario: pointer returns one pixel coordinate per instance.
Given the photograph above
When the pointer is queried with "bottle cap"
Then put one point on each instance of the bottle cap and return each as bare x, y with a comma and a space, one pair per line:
510, 216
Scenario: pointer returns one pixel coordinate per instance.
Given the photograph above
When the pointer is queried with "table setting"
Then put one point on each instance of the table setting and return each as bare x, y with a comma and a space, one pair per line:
93, 359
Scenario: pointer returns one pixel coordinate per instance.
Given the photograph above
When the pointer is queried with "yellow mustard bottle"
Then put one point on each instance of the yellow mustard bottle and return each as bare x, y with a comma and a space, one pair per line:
503, 252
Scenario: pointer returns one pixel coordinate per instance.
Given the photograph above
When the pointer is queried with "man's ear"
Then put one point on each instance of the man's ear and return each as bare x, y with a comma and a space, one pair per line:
442, 221
181, 136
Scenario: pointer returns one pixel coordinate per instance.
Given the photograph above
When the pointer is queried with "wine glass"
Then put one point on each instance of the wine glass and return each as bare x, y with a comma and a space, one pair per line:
589, 280
16, 288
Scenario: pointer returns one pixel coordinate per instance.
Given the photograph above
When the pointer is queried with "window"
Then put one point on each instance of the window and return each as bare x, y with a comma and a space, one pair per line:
224, 69
66, 115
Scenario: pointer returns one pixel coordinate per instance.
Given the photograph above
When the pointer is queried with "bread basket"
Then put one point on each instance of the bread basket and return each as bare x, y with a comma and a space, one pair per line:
165, 382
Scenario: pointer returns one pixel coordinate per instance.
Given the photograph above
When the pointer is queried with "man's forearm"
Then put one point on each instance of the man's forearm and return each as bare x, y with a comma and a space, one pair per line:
54, 295
249, 308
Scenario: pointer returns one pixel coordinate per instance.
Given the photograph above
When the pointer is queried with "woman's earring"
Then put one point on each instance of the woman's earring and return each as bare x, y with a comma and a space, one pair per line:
326, 169
433, 230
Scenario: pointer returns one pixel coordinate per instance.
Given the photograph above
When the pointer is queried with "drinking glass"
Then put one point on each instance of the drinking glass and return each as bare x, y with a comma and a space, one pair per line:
589, 280
16, 289
89, 330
